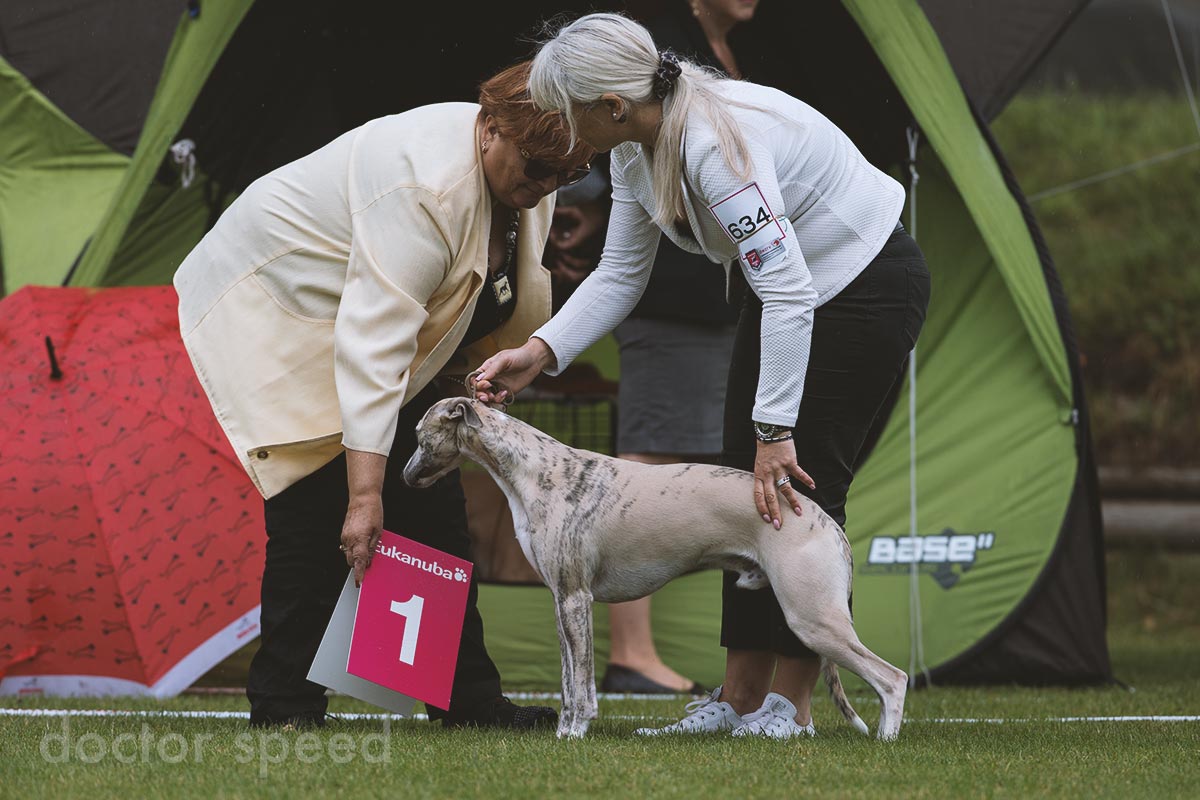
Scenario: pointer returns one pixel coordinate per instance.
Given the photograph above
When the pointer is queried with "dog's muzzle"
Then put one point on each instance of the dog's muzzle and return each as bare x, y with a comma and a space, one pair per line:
412, 471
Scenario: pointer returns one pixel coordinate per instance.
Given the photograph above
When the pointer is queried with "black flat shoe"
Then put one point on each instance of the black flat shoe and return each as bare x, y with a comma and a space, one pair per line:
503, 713
623, 680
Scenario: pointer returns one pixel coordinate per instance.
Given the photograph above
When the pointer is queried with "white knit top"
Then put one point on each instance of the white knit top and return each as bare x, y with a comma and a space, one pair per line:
831, 209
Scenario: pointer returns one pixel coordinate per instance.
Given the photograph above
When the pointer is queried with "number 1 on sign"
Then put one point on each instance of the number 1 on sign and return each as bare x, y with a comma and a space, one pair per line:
411, 610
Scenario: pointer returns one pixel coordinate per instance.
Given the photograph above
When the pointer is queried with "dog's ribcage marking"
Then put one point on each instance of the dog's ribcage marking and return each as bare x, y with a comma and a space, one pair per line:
574, 493
585, 503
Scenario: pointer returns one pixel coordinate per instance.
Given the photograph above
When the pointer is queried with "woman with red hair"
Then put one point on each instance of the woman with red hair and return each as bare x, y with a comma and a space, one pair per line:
319, 312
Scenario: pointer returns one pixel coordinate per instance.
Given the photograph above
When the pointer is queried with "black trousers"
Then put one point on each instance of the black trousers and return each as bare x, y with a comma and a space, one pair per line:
861, 339
305, 571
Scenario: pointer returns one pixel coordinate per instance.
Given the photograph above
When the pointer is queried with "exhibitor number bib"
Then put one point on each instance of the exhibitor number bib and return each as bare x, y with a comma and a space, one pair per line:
759, 235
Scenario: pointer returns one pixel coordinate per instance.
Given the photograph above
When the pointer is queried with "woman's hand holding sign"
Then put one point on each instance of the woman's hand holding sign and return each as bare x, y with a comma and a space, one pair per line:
364, 515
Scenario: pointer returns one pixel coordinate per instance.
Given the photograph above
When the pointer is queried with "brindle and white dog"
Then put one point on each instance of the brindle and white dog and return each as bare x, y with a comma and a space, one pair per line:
604, 529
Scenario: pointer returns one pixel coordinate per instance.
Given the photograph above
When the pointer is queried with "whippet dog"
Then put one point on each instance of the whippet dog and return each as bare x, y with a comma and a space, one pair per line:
597, 528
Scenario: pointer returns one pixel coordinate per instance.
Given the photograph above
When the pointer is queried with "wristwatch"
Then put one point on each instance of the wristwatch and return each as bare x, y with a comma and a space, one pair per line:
771, 433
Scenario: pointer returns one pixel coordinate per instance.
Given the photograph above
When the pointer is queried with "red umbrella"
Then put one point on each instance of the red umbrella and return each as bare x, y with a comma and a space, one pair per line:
131, 540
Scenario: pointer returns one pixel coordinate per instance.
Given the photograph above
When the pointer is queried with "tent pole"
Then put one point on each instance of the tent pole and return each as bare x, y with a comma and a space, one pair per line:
916, 638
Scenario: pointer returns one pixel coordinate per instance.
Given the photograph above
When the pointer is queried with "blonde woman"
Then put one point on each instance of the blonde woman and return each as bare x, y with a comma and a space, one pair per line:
756, 179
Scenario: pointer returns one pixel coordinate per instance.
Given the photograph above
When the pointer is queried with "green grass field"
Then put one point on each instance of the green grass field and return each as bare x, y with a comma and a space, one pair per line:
1029, 750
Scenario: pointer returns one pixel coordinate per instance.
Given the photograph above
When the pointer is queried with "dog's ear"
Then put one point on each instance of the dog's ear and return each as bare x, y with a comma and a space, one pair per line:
467, 413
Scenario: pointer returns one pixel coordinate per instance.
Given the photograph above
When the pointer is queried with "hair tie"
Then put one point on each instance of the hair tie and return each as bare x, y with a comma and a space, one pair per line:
666, 74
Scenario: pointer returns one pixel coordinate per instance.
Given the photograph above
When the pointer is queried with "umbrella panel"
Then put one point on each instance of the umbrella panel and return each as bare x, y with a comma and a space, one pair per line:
130, 537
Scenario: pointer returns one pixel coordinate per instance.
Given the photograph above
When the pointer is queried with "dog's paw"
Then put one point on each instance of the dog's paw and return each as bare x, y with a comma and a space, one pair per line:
572, 732
752, 579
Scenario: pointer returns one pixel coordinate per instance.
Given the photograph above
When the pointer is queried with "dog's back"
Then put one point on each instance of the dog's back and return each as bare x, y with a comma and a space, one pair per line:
649, 523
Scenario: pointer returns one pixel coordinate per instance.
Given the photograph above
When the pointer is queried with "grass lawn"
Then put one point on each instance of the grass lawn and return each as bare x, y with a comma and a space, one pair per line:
1155, 640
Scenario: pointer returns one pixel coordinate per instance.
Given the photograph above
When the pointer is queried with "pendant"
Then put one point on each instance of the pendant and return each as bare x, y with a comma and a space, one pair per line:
502, 289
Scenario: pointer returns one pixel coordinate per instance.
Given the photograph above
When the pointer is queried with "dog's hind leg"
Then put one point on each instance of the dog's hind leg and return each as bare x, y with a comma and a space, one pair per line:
831, 634
574, 613
812, 585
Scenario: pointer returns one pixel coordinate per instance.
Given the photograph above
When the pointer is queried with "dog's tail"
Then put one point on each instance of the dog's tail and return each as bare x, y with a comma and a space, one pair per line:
834, 682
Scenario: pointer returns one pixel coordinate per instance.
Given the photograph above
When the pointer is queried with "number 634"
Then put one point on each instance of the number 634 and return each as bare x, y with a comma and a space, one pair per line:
748, 225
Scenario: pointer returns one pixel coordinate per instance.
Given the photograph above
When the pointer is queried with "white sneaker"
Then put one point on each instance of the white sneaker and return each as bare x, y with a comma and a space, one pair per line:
776, 720
703, 716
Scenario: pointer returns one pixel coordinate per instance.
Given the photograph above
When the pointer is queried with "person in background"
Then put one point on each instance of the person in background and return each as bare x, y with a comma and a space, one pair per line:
320, 312
577, 231
760, 180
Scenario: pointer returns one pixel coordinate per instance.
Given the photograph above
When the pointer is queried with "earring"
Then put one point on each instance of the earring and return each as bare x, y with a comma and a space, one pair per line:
483, 146
695, 9
620, 120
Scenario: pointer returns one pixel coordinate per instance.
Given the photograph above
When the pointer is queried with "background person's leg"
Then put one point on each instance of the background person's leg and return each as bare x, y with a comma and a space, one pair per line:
631, 636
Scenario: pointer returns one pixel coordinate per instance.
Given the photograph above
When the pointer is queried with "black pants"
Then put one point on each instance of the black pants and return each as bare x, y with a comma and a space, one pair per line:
861, 339
305, 571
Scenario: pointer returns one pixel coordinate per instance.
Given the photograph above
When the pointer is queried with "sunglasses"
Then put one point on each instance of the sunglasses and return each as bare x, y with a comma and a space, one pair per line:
539, 170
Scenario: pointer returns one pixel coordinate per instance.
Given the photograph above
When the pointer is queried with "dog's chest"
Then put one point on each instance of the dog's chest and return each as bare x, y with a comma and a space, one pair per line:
523, 539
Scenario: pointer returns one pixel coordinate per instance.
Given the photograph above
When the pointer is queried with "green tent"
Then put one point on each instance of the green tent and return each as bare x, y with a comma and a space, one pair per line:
975, 520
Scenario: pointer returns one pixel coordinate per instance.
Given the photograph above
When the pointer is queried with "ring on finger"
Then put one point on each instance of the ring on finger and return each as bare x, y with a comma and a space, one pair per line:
783, 481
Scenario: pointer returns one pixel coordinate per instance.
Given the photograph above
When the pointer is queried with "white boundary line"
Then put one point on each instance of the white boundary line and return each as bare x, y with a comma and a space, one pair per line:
103, 712
599, 696
1001, 721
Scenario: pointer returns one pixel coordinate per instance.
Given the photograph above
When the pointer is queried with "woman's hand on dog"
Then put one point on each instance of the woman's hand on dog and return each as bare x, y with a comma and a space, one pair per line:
774, 461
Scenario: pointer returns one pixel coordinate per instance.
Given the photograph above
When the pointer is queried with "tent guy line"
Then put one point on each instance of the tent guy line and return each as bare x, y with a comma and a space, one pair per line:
1145, 162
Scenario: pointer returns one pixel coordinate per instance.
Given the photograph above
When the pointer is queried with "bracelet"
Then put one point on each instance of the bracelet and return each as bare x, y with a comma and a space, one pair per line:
769, 434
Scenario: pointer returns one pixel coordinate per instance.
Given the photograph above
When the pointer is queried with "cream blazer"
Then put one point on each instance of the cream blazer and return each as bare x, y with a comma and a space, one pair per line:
338, 286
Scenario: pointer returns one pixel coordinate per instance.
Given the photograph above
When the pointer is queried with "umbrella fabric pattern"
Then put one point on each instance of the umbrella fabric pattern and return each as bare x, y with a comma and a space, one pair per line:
131, 540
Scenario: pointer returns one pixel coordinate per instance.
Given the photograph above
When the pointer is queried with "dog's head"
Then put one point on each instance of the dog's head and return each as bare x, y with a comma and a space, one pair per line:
441, 434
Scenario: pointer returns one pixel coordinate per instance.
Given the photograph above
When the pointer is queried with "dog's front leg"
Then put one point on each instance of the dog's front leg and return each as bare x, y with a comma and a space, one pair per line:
574, 612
